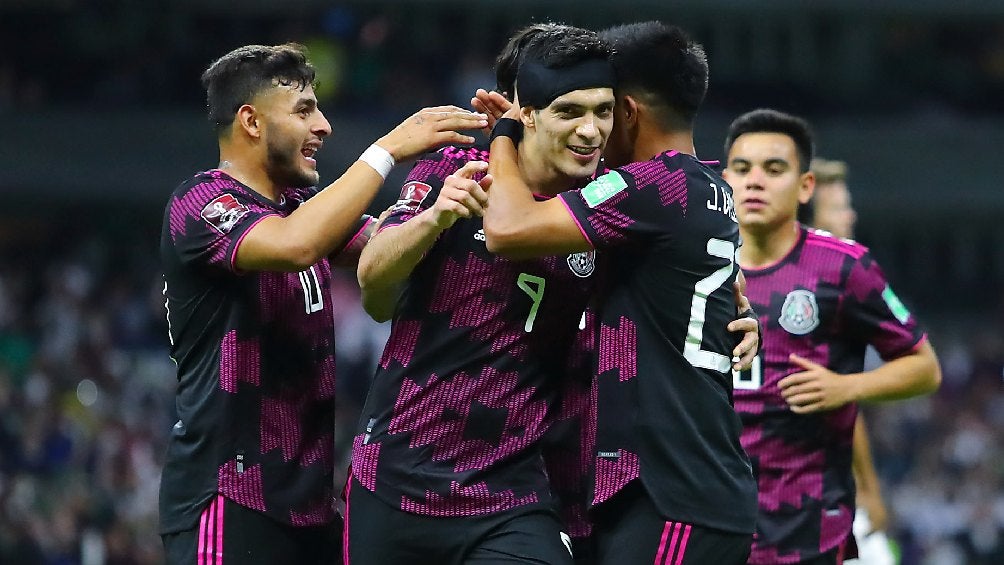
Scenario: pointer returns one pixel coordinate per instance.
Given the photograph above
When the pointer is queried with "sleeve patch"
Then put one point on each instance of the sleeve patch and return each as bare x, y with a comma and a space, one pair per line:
895, 305
603, 188
412, 196
223, 213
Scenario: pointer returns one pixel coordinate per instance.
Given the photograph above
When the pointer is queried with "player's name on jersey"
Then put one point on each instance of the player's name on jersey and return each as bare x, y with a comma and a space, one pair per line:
722, 201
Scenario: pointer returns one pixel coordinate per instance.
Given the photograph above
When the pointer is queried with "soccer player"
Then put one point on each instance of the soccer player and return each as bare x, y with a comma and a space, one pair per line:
831, 201
245, 247
447, 464
832, 212
672, 483
822, 299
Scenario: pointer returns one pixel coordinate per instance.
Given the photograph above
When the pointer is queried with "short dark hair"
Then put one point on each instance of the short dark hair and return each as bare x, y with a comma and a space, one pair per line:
663, 66
766, 120
507, 63
235, 78
553, 45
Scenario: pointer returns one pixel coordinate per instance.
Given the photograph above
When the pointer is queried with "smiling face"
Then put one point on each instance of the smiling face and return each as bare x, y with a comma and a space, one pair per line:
763, 170
568, 136
293, 131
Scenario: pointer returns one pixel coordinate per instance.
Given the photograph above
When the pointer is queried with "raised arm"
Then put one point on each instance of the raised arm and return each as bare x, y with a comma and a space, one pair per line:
516, 225
390, 257
312, 231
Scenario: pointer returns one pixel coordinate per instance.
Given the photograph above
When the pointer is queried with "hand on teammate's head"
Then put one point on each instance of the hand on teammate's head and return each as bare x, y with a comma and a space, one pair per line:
430, 128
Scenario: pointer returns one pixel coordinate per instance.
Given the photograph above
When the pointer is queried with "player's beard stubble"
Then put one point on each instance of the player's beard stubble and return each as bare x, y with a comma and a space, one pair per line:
283, 167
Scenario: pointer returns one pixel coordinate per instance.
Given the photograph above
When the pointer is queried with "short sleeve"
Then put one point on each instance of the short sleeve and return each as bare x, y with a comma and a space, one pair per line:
421, 188
209, 221
874, 312
629, 204
360, 235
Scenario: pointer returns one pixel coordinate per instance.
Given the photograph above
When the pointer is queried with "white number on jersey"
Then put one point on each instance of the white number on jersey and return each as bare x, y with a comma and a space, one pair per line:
312, 299
698, 308
536, 294
751, 379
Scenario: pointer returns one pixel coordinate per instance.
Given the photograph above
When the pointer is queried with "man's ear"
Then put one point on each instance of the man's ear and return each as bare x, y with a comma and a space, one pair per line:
806, 187
629, 111
528, 115
249, 120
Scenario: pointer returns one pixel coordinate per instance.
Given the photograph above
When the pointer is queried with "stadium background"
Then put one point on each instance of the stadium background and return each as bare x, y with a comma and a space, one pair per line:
102, 118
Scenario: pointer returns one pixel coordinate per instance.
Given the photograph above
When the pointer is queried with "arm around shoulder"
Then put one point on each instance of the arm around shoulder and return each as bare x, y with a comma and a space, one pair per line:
518, 227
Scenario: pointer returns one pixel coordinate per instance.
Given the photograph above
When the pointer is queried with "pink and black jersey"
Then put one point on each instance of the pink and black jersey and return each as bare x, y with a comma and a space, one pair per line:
256, 367
826, 300
470, 377
665, 411
570, 444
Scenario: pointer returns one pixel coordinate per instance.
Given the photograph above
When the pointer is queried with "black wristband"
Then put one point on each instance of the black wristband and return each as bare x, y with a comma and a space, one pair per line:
507, 127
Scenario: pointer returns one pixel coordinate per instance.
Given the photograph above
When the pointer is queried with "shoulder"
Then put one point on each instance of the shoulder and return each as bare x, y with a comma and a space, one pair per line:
669, 167
204, 187
825, 242
440, 164
455, 155
465, 154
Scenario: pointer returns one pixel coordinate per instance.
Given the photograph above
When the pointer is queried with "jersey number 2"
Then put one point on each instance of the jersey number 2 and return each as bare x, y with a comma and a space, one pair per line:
698, 308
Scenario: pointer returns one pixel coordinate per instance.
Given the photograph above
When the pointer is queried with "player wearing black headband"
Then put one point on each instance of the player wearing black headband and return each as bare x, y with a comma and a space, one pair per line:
447, 464
673, 484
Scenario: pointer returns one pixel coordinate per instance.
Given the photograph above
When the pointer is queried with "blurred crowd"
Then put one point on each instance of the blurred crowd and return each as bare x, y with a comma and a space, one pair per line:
395, 56
86, 390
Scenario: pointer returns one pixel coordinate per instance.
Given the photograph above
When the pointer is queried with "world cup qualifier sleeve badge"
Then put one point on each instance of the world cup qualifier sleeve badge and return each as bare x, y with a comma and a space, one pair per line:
223, 212
799, 313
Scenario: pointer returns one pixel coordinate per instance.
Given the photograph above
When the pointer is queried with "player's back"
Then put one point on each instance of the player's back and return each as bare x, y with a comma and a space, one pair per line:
665, 411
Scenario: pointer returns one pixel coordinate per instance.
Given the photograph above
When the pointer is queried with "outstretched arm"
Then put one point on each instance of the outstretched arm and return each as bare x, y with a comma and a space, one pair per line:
295, 242
390, 257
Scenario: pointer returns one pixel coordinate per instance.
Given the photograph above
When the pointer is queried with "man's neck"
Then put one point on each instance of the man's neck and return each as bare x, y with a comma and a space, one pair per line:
762, 248
652, 141
248, 172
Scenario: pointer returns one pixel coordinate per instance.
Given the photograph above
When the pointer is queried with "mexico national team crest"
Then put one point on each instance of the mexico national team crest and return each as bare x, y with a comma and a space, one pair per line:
800, 313
582, 264
223, 213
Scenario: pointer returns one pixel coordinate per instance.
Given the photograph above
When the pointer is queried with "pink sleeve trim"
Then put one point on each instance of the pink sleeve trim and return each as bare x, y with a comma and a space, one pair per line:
576, 220
920, 342
915, 348
366, 224
237, 244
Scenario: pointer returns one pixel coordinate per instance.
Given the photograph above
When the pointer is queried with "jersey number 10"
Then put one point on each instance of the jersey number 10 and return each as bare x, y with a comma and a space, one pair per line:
312, 299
